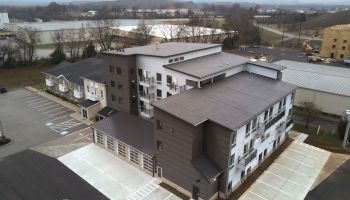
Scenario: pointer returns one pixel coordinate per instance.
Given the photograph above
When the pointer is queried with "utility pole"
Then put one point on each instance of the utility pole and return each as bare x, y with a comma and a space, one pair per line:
284, 25
301, 23
347, 119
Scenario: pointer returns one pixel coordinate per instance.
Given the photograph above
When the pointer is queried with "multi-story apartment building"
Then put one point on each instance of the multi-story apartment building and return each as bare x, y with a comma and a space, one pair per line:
216, 116
336, 42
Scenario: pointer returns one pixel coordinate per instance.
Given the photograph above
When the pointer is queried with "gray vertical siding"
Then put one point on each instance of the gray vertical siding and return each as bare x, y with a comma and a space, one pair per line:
178, 139
128, 79
217, 149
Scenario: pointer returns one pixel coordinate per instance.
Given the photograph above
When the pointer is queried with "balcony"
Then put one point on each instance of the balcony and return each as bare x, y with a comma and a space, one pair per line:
147, 81
146, 112
260, 131
244, 160
49, 82
274, 120
62, 87
281, 128
146, 97
175, 88
78, 94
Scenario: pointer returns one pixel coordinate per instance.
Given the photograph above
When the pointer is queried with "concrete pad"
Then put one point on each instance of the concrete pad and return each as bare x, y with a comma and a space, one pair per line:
113, 176
291, 176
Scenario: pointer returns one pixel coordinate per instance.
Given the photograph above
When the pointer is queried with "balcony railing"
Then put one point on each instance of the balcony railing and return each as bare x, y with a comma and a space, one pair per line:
248, 157
147, 96
274, 120
289, 122
175, 88
147, 112
147, 80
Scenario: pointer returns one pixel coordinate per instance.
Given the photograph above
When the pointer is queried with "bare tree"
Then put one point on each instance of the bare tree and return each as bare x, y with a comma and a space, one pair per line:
143, 32
27, 40
311, 110
103, 32
168, 31
8, 53
75, 41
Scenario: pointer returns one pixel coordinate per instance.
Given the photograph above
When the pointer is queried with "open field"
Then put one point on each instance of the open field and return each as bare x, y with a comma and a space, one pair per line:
269, 37
23, 76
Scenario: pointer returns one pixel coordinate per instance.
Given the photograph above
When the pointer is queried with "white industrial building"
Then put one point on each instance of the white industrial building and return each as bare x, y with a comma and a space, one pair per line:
328, 87
4, 18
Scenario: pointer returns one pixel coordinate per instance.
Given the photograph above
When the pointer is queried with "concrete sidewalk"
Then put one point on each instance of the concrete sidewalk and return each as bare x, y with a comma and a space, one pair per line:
76, 115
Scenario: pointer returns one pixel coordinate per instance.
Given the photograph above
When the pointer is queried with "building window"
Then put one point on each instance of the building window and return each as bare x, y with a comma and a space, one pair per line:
101, 93
255, 123
159, 93
171, 60
119, 70
251, 144
335, 40
169, 79
232, 160
233, 139
229, 185
88, 88
99, 138
112, 83
159, 124
333, 46
265, 115
159, 145
113, 97
168, 94
134, 156
245, 149
182, 58
247, 129
341, 55
120, 86
270, 112
121, 149
111, 68
345, 41
177, 59
284, 101
120, 100
343, 48
159, 78
110, 143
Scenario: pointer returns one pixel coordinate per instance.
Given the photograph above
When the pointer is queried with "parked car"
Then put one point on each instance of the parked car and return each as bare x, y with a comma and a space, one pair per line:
2, 90
347, 61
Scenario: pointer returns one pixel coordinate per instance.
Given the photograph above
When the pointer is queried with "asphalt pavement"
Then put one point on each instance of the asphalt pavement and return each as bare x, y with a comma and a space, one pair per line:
30, 175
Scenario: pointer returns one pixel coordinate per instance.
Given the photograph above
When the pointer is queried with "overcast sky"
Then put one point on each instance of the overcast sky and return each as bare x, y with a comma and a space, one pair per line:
333, 2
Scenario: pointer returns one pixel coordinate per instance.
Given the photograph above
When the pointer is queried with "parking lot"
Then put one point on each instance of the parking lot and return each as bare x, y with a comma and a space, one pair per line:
114, 177
29, 119
291, 176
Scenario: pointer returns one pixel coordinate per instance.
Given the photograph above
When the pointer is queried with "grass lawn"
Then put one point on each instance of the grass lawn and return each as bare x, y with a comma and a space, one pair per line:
323, 139
46, 46
269, 37
23, 76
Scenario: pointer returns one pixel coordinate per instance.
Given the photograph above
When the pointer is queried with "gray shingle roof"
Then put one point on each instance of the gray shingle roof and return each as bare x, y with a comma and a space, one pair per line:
331, 79
230, 103
130, 129
208, 65
163, 49
106, 112
208, 169
97, 76
87, 103
74, 71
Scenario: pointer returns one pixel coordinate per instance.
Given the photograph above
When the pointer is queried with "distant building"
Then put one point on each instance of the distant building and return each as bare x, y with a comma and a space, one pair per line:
91, 13
328, 87
4, 18
336, 42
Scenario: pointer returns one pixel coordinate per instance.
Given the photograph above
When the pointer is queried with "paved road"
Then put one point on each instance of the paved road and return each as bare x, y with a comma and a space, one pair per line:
30, 119
288, 35
335, 187
30, 175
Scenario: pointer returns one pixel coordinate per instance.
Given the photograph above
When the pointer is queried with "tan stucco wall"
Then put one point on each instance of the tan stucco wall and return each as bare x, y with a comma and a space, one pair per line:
328, 42
327, 102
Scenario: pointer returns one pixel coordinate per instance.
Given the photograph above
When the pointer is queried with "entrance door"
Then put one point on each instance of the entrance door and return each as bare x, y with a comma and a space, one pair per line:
274, 144
278, 139
242, 174
260, 157
159, 172
85, 114
332, 55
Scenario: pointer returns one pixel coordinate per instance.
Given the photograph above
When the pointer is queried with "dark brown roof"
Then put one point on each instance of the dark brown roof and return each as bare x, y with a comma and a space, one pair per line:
208, 65
87, 103
230, 103
208, 169
130, 129
163, 49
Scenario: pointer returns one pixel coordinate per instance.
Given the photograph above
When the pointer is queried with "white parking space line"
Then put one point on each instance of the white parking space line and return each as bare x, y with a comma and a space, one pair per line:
65, 125
303, 153
44, 105
273, 187
60, 108
144, 191
32, 100
52, 120
82, 137
28, 98
286, 179
255, 194
21, 93
39, 102
290, 169
297, 161
59, 113
41, 109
